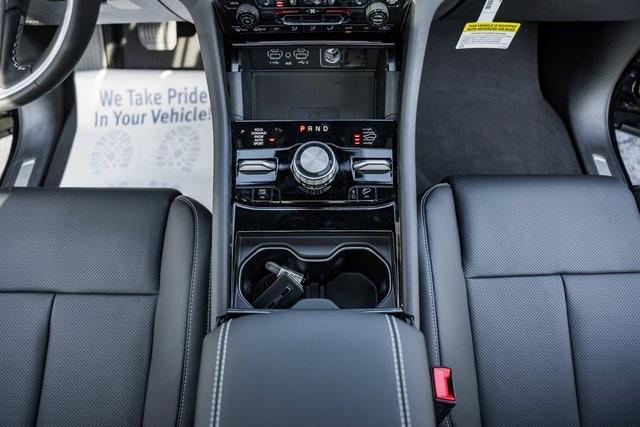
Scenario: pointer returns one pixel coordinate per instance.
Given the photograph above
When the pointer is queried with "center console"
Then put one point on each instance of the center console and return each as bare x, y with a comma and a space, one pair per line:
313, 300
313, 89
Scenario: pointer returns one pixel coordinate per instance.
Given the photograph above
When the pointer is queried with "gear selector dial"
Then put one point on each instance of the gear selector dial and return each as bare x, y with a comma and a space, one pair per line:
314, 167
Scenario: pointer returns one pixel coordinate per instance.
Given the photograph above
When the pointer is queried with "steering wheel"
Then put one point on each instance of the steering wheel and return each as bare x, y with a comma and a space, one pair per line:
22, 83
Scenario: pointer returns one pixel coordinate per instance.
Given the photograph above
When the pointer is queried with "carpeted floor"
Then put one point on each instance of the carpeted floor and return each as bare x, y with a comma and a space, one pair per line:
482, 112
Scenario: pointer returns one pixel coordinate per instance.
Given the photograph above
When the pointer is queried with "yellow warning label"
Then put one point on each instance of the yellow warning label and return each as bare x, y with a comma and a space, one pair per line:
511, 27
488, 35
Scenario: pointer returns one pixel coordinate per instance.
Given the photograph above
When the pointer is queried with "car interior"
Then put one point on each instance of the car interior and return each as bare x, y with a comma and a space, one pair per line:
319, 212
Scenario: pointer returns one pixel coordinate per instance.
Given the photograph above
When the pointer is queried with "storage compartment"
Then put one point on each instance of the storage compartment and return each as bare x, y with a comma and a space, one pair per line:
314, 95
352, 277
352, 81
315, 367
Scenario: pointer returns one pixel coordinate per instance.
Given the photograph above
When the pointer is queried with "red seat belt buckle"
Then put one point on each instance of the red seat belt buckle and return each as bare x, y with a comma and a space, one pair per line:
443, 385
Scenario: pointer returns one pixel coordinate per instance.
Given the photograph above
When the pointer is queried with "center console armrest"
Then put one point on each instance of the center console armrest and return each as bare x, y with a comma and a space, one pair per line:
314, 368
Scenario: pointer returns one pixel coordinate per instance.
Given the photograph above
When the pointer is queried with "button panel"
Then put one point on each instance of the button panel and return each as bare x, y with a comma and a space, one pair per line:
357, 195
246, 18
315, 3
363, 194
260, 195
317, 162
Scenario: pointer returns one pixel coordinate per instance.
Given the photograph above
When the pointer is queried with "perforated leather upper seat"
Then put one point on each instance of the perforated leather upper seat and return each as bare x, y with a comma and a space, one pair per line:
103, 306
531, 294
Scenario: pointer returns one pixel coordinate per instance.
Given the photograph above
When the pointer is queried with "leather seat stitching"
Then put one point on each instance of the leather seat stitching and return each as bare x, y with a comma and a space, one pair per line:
430, 287
405, 392
396, 372
571, 346
185, 370
434, 319
224, 359
214, 391
209, 298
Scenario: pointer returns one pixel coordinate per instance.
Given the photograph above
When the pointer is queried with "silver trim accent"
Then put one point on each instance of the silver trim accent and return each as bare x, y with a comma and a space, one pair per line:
5, 93
257, 166
24, 173
372, 166
314, 159
602, 166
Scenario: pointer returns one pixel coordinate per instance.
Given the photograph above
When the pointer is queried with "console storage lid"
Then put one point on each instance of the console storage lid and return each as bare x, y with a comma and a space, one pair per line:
314, 368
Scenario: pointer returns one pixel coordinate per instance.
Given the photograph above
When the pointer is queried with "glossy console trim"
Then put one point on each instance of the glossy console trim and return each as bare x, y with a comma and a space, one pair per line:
346, 143
308, 218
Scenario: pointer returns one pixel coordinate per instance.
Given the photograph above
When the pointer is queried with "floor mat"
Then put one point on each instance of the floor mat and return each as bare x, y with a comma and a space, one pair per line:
482, 112
186, 55
143, 129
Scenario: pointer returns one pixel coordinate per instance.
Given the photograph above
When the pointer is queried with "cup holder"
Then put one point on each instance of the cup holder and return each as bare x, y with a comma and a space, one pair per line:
352, 277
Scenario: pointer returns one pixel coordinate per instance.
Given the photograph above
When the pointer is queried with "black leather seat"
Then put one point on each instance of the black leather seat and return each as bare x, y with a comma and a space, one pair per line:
531, 294
103, 306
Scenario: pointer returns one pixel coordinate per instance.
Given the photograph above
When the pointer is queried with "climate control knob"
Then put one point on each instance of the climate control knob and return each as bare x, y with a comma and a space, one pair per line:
314, 167
377, 14
247, 16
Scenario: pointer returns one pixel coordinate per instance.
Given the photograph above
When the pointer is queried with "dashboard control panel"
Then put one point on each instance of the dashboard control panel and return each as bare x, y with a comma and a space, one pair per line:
247, 17
334, 162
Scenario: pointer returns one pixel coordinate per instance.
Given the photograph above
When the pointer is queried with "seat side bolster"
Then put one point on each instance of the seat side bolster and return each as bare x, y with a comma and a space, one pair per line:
210, 347
181, 313
445, 320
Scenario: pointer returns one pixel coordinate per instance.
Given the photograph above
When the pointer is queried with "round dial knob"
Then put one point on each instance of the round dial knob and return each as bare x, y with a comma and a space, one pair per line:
377, 14
314, 166
247, 16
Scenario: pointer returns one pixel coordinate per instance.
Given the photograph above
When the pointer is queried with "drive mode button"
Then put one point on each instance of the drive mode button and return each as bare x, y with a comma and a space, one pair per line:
367, 194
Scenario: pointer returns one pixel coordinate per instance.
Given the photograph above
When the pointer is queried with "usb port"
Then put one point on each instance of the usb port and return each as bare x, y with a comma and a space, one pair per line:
301, 54
275, 54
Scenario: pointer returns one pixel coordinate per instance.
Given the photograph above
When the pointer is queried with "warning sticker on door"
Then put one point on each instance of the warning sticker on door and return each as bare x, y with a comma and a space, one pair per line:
488, 35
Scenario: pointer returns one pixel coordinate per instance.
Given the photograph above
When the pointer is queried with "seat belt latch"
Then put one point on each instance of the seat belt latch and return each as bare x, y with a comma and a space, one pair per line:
443, 394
